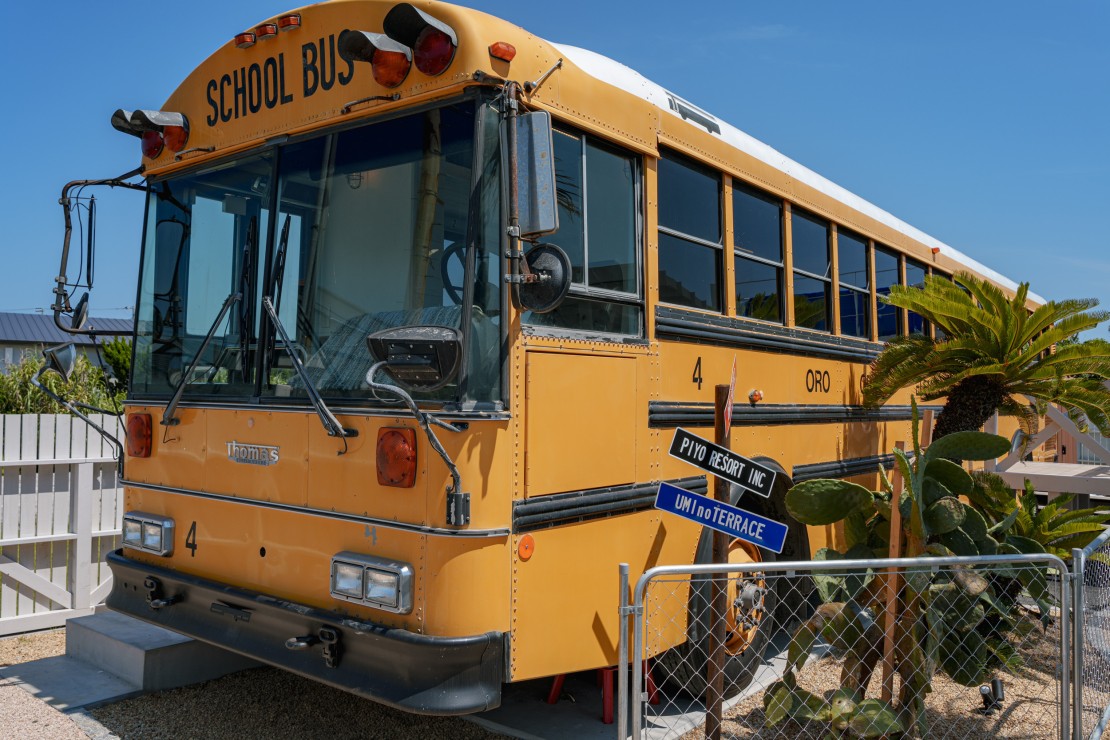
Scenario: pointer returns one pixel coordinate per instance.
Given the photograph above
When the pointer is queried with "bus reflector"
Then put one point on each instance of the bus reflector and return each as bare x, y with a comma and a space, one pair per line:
176, 137
397, 457
503, 51
139, 435
433, 42
266, 31
289, 22
152, 144
245, 40
526, 547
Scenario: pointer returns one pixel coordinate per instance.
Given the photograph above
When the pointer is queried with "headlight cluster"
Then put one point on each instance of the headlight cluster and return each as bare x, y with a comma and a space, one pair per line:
148, 532
364, 579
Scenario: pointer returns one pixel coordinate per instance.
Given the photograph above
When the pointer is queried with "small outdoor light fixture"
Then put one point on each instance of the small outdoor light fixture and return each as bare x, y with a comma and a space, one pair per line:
155, 128
377, 582
389, 60
432, 41
148, 532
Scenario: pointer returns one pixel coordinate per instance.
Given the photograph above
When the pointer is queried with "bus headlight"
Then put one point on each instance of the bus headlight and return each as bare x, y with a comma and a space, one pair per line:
377, 582
148, 532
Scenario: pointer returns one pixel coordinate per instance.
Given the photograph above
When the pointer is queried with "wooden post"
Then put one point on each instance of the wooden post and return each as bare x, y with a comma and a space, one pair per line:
715, 677
892, 582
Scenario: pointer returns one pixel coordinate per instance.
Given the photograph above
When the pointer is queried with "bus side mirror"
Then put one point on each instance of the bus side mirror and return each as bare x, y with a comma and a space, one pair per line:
535, 175
80, 312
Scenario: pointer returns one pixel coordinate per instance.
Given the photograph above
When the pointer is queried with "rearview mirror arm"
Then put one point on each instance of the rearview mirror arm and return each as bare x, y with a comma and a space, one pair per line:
61, 294
424, 418
72, 408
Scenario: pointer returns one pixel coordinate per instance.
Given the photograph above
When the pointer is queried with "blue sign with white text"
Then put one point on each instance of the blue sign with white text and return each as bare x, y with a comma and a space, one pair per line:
722, 517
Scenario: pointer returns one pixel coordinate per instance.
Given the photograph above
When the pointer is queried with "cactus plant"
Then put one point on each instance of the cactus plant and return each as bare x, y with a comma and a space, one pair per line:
953, 620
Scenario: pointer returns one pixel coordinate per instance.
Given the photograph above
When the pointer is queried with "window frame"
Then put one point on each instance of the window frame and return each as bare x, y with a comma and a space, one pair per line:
864, 290
684, 160
584, 291
739, 253
826, 279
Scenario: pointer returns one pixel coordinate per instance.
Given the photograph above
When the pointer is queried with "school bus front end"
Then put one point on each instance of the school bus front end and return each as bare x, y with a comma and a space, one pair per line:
286, 497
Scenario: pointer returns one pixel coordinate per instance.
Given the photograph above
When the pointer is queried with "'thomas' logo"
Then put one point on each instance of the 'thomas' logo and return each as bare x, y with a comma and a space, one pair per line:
252, 454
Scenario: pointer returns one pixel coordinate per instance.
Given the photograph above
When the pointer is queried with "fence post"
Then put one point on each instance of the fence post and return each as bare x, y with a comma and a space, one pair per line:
1078, 576
622, 657
80, 556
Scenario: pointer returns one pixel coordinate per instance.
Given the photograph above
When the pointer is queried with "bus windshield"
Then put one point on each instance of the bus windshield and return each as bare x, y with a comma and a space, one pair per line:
348, 234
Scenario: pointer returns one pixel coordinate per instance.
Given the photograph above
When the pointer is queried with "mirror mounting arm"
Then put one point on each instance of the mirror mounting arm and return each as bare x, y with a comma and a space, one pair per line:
61, 303
425, 419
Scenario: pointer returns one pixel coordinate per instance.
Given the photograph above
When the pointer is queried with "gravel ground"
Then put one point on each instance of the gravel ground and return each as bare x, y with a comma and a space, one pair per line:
1030, 710
22, 715
261, 703
266, 703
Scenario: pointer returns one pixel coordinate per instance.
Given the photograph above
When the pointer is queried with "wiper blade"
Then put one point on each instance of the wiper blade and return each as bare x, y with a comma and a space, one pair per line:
277, 277
169, 416
327, 418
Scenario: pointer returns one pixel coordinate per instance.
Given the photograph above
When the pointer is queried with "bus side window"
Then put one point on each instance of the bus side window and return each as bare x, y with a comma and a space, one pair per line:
598, 197
691, 270
886, 275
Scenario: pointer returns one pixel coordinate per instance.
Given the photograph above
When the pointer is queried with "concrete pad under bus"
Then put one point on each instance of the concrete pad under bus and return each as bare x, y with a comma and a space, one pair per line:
110, 657
524, 714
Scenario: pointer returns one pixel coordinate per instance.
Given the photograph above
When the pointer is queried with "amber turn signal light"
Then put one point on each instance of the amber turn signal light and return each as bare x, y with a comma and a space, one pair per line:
397, 457
139, 435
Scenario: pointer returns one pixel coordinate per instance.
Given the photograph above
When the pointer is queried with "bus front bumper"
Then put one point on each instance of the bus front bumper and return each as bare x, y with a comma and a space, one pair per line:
409, 671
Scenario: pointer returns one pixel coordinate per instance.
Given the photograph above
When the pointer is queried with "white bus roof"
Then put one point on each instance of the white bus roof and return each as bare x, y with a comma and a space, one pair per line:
631, 81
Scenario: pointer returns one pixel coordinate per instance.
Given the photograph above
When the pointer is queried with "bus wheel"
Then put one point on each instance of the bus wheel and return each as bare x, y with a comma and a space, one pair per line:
749, 623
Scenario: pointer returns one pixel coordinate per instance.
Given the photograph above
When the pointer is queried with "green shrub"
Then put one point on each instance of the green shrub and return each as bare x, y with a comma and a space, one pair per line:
86, 384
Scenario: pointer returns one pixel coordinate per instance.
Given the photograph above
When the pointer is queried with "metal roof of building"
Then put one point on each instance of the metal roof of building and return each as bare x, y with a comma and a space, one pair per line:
36, 328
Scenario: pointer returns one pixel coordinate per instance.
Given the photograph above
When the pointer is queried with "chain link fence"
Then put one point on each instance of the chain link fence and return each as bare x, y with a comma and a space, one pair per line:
975, 647
1091, 567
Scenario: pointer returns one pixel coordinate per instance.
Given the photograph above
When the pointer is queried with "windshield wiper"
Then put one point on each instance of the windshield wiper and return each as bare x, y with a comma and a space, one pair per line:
169, 416
327, 418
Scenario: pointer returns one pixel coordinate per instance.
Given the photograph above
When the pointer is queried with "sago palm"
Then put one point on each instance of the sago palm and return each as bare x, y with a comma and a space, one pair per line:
994, 353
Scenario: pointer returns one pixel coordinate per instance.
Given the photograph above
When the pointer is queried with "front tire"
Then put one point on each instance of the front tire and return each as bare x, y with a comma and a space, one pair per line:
749, 623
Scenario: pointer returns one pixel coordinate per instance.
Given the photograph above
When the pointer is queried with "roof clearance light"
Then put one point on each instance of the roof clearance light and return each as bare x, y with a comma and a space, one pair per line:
245, 40
156, 128
266, 31
433, 41
501, 50
390, 61
289, 22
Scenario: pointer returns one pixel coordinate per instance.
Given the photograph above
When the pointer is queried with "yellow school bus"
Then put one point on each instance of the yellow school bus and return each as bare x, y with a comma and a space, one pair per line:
423, 299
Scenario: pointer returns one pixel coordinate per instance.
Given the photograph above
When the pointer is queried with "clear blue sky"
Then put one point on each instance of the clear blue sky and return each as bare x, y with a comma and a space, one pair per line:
985, 124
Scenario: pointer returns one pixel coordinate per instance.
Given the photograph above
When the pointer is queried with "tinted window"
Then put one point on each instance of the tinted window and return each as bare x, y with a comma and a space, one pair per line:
611, 215
758, 290
689, 198
886, 275
758, 223
852, 256
571, 235
811, 303
915, 277
598, 201
689, 273
811, 244
854, 311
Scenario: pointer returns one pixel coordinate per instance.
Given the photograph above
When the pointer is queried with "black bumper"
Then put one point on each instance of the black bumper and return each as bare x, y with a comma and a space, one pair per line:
416, 673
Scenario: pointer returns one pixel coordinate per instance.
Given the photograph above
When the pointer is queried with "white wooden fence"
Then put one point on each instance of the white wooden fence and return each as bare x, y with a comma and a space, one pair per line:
60, 511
